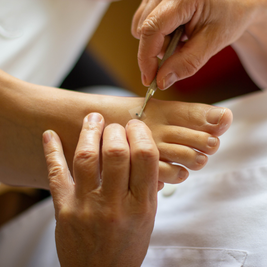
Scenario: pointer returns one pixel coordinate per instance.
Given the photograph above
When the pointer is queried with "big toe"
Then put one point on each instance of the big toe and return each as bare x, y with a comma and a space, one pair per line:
219, 120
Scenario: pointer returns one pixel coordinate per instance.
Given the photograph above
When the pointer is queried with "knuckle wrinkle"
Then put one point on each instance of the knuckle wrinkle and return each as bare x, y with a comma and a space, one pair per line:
55, 172
192, 64
86, 156
118, 152
150, 26
147, 152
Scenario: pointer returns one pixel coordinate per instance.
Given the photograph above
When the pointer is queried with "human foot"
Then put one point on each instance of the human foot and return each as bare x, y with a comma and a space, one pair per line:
180, 130
184, 132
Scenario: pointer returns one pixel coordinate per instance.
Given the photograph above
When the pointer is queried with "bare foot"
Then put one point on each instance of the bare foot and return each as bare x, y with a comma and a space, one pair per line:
183, 132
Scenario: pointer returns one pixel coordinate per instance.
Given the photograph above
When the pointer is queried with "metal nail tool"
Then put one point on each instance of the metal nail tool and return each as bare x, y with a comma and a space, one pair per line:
171, 47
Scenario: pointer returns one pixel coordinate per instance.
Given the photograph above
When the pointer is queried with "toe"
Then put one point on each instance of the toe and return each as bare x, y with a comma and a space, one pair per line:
171, 173
201, 117
186, 156
198, 140
219, 120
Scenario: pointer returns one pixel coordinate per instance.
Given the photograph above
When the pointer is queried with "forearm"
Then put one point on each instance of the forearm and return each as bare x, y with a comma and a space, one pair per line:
251, 47
28, 110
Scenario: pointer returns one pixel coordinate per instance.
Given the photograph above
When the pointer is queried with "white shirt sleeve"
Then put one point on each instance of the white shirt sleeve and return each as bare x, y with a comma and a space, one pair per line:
252, 51
41, 39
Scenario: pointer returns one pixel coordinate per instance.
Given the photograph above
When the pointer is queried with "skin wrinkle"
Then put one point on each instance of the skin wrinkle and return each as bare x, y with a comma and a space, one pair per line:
150, 26
185, 15
193, 63
148, 6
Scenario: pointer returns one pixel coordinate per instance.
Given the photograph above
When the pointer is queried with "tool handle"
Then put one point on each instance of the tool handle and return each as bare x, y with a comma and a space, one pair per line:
173, 44
171, 47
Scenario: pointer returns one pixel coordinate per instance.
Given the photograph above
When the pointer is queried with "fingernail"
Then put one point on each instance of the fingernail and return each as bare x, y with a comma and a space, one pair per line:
214, 115
47, 136
143, 78
133, 121
94, 117
212, 141
169, 80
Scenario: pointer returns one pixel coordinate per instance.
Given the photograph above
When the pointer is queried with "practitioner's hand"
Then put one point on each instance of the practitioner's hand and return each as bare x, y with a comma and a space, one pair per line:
210, 25
104, 219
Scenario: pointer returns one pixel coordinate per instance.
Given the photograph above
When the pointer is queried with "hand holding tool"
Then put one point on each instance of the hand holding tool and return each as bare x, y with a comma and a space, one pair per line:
171, 47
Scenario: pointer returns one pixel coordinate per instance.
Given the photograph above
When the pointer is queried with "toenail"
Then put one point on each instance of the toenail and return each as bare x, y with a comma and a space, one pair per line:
201, 159
183, 174
212, 141
214, 115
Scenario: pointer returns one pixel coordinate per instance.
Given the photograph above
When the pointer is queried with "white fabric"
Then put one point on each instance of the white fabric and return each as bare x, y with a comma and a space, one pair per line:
41, 39
217, 218
29, 240
222, 209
